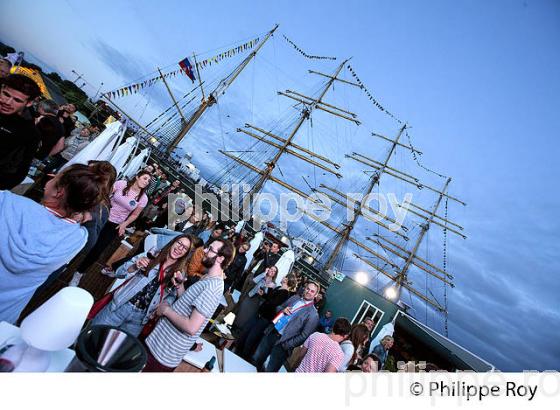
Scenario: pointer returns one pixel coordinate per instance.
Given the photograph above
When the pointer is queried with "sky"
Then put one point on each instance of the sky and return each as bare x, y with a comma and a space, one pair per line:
478, 83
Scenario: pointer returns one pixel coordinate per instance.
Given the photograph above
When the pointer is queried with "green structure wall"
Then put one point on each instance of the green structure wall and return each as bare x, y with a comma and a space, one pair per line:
345, 297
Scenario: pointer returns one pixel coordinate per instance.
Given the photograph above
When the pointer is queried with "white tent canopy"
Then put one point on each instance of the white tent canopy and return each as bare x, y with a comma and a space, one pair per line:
285, 264
123, 152
255, 243
239, 226
101, 147
136, 163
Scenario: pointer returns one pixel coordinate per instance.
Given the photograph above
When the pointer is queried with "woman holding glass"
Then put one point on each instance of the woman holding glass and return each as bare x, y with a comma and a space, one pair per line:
249, 306
151, 277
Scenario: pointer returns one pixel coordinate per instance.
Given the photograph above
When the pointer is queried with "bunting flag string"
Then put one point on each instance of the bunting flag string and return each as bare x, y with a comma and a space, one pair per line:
371, 97
227, 54
303, 53
415, 155
135, 88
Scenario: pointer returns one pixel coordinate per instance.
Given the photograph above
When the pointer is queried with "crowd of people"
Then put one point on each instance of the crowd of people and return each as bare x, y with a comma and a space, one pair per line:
170, 292
36, 131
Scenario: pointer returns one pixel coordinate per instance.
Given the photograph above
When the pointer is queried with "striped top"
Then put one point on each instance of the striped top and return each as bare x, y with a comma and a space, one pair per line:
322, 351
169, 344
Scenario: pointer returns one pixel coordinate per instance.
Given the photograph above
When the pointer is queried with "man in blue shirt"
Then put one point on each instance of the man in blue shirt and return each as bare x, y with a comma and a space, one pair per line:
326, 322
296, 320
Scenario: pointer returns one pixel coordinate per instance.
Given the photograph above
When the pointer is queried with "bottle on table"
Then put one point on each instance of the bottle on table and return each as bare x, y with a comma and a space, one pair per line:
209, 364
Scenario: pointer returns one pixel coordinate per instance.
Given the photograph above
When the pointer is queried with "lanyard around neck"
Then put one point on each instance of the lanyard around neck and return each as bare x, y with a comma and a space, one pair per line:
52, 211
161, 284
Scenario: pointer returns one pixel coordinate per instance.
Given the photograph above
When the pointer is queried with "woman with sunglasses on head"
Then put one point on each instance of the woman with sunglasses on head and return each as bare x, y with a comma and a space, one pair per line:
150, 281
37, 239
163, 237
128, 199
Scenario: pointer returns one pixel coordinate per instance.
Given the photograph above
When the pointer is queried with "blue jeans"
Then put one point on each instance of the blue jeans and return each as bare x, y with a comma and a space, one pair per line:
127, 317
265, 347
277, 358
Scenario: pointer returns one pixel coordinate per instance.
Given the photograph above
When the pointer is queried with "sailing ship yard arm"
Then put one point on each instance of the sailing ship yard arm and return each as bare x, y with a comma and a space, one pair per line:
370, 218
299, 147
379, 164
290, 151
398, 143
434, 222
335, 78
411, 180
318, 106
405, 285
406, 254
405, 257
322, 103
276, 180
366, 207
415, 182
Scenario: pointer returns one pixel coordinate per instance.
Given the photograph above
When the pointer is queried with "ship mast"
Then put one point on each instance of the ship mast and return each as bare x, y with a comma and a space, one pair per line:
424, 228
374, 180
287, 146
399, 277
305, 114
219, 90
172, 96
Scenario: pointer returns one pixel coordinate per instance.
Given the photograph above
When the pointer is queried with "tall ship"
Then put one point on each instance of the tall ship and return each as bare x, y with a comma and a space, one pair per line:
375, 222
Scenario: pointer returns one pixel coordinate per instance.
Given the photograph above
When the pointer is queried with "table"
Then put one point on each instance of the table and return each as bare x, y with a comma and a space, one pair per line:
234, 364
226, 360
195, 361
59, 360
222, 337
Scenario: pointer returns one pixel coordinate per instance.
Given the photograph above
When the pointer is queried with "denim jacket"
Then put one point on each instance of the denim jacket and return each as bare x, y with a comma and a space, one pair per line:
137, 282
260, 282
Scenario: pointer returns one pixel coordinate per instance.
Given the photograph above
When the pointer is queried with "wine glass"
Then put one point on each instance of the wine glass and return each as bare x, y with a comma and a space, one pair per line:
152, 253
177, 279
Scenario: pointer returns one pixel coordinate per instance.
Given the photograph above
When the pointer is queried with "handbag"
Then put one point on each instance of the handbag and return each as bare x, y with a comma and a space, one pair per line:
104, 301
295, 359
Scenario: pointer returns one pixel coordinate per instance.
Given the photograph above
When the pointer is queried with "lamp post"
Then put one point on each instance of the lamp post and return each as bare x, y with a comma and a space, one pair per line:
78, 77
97, 93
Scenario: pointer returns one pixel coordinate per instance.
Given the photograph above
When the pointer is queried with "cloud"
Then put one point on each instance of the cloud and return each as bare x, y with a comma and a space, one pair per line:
128, 66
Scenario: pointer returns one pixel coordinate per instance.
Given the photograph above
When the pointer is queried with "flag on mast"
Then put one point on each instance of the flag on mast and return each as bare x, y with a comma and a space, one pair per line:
187, 68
